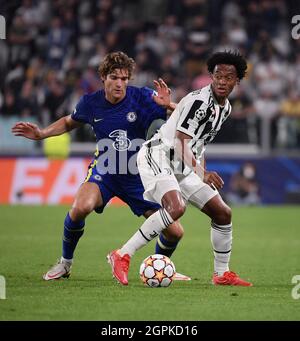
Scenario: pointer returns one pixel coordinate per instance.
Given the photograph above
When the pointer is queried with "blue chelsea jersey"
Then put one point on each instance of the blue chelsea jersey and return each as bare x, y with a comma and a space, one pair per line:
120, 127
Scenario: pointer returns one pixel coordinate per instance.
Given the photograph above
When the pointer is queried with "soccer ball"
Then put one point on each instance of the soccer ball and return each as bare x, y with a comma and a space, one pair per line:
157, 271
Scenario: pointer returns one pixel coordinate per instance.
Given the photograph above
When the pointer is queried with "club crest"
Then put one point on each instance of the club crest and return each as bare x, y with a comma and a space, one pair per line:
131, 116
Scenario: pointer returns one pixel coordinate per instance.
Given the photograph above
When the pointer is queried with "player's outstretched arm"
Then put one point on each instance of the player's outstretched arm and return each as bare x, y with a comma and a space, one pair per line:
33, 132
163, 95
28, 130
183, 150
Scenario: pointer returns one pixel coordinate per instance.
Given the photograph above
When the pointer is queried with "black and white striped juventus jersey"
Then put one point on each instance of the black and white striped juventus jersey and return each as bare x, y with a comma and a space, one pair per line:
198, 115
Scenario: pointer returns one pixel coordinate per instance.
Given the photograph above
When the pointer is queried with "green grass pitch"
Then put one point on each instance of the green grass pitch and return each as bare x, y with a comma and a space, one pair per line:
266, 249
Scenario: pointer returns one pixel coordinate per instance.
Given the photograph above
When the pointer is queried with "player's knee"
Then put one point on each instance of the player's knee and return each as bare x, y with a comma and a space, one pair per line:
176, 211
174, 204
179, 232
227, 214
174, 232
224, 215
84, 209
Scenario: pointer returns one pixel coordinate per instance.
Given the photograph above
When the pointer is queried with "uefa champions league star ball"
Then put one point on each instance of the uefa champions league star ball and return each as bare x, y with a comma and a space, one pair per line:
157, 271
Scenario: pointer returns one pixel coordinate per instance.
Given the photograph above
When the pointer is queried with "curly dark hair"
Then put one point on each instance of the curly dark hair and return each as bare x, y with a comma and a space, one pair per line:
116, 60
229, 58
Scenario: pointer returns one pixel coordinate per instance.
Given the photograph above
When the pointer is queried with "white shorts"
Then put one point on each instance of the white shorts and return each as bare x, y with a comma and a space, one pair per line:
158, 178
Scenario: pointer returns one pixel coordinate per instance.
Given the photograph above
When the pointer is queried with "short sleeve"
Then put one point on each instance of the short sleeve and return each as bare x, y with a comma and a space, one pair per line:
81, 111
188, 123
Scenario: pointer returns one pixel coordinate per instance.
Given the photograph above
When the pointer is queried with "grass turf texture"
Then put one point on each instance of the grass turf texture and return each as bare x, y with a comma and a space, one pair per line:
265, 250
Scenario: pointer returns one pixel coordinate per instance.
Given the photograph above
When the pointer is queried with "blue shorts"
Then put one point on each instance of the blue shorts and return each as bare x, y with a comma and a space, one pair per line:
127, 187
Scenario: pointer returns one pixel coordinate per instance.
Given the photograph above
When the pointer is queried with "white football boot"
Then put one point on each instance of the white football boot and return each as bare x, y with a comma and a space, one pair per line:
59, 270
180, 277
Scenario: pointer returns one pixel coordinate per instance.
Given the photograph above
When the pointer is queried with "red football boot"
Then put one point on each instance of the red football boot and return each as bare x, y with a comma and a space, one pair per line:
230, 278
119, 266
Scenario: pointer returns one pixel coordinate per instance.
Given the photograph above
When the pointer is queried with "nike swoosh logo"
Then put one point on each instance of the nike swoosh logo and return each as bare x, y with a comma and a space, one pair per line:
58, 273
97, 119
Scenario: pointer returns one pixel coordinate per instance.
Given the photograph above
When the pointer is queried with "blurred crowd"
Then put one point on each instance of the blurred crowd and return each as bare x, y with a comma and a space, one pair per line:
53, 48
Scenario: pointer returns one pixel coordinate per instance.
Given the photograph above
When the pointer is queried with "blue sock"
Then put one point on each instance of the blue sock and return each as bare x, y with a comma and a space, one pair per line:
73, 230
164, 246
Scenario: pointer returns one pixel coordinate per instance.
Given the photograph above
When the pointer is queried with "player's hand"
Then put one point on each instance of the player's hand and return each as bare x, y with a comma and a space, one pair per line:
163, 93
28, 130
213, 179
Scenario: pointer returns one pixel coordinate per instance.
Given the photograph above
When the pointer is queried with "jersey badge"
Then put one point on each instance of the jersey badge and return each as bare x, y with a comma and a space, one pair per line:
200, 114
131, 116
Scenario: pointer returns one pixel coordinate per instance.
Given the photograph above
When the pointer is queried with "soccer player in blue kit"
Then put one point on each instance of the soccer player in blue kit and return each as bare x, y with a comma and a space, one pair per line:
119, 115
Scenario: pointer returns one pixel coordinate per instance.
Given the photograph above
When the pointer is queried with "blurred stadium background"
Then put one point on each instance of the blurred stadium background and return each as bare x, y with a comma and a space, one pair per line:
50, 57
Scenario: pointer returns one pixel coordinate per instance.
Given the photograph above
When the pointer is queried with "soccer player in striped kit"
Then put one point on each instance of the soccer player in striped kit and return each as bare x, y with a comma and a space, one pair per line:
171, 166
